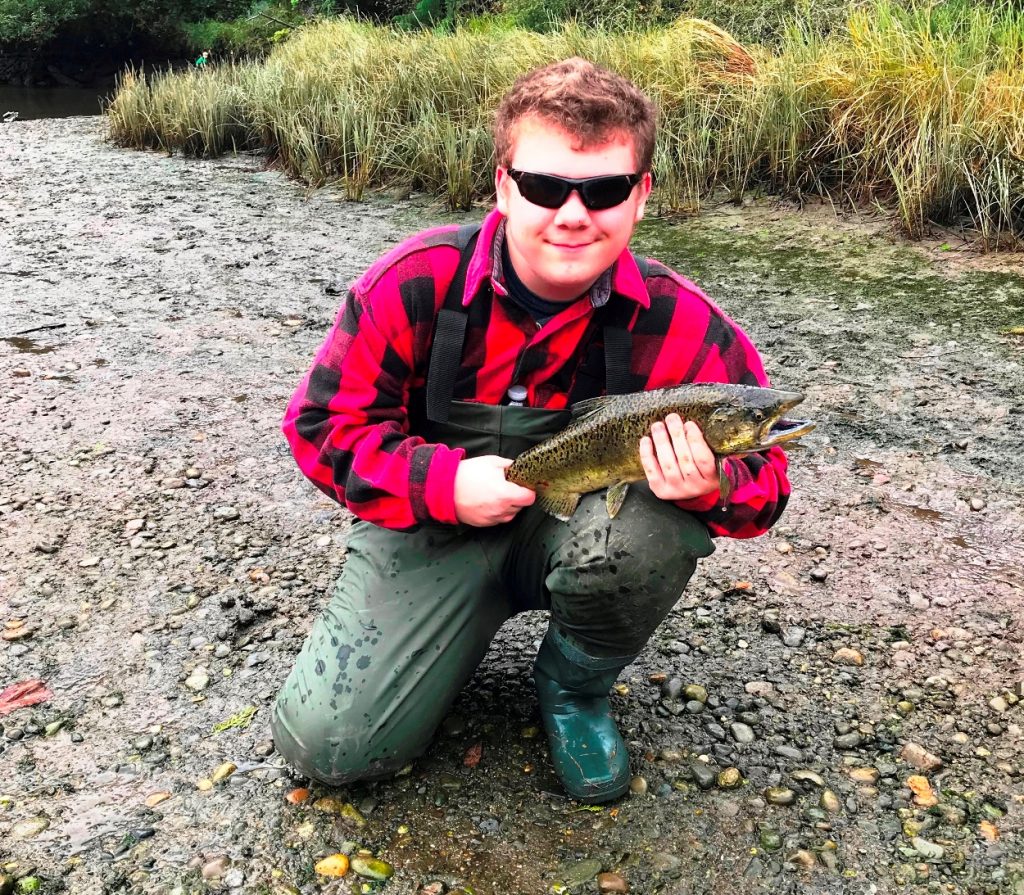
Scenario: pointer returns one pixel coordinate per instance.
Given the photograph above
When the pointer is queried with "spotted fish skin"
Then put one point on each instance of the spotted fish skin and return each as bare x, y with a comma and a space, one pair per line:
600, 448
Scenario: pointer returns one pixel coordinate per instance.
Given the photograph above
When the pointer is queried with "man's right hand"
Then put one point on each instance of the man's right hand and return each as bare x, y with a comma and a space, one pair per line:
483, 496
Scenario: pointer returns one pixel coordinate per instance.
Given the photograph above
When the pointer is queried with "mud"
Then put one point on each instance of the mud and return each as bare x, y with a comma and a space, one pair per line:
155, 315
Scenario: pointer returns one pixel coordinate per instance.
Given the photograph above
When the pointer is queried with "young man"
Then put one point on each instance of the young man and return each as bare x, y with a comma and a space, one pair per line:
446, 361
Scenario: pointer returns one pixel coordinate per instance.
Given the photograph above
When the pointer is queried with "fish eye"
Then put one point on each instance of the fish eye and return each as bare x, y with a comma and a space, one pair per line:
758, 415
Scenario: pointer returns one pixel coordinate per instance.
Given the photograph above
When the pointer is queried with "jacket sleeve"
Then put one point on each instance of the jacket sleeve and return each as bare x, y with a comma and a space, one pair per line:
758, 488
347, 423
758, 491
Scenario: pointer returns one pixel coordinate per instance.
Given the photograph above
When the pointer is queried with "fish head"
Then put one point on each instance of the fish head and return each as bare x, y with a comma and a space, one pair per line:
747, 420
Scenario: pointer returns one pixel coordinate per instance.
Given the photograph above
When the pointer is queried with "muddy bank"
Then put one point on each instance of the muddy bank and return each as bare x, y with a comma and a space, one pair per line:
161, 560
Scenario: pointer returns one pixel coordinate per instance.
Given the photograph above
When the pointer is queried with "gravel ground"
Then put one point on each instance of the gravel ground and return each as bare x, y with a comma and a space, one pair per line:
836, 707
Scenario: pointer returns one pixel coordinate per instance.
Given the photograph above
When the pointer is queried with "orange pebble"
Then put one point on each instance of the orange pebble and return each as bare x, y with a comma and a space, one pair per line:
296, 796
924, 797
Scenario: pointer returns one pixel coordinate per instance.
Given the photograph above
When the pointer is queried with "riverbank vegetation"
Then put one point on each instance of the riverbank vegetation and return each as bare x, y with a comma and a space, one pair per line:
88, 41
918, 109
241, 27
36, 22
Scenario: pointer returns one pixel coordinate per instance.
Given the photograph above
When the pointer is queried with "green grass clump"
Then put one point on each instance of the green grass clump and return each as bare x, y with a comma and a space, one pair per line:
920, 109
196, 111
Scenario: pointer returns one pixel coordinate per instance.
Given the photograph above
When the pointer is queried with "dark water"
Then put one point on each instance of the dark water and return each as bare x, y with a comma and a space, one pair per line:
49, 102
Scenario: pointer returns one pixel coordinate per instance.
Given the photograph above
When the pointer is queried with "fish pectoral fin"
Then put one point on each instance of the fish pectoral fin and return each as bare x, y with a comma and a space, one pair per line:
615, 498
560, 504
724, 485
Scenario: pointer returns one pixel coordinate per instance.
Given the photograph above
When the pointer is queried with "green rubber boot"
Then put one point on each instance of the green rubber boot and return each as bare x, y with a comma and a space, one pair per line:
587, 750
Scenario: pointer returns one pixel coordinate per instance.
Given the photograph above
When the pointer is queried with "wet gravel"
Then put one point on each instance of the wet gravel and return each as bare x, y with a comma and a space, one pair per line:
835, 707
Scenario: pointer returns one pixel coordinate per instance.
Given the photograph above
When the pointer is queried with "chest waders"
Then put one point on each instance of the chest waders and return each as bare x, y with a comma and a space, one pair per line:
414, 613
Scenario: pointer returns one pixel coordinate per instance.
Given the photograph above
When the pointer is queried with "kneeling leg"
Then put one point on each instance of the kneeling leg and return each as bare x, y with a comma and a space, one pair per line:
411, 618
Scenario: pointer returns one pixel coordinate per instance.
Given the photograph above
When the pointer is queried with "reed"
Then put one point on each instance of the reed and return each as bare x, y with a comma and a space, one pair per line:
197, 111
920, 109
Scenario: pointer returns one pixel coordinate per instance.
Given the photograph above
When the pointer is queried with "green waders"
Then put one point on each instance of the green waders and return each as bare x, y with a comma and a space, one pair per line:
414, 613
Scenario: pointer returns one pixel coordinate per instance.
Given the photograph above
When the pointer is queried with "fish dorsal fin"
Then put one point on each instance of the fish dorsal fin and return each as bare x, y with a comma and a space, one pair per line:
591, 406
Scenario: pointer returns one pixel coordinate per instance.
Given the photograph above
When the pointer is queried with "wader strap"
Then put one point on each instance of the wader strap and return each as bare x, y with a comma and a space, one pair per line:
618, 346
618, 343
450, 333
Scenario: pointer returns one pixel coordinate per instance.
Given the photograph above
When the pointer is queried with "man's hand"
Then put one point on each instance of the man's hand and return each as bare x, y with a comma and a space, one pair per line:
483, 496
677, 460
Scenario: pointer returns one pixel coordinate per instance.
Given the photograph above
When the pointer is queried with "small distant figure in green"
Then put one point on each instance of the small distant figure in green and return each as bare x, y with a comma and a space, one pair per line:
204, 57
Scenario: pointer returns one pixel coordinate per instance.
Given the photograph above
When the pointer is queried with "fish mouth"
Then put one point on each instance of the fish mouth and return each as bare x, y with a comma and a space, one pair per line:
778, 429
782, 430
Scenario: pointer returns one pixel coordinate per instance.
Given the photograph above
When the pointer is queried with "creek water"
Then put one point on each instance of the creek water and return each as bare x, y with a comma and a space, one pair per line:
50, 102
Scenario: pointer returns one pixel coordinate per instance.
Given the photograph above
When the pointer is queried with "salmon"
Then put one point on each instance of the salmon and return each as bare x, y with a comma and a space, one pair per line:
600, 448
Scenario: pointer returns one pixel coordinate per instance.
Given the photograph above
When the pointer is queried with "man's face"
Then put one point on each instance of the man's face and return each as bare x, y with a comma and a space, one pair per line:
560, 252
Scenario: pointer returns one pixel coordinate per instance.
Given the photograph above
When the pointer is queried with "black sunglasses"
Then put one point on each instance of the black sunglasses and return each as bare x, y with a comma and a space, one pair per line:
596, 193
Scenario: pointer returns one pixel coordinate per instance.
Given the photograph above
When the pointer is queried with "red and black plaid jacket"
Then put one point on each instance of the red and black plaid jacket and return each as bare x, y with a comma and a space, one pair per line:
348, 423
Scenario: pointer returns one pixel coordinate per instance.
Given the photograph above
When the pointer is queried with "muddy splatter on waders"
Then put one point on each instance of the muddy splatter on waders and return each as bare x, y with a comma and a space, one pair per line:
414, 613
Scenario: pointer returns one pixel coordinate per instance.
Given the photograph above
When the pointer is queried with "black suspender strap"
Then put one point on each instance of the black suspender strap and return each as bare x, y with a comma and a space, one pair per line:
450, 333
618, 342
618, 346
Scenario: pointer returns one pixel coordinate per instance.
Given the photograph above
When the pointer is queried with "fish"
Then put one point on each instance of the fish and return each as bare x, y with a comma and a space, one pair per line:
600, 447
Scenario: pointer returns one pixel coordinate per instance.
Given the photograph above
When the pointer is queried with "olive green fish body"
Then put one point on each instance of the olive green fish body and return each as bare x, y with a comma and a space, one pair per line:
600, 448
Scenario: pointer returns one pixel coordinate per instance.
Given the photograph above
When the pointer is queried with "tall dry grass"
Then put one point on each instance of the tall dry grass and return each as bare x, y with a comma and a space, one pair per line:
921, 111
197, 111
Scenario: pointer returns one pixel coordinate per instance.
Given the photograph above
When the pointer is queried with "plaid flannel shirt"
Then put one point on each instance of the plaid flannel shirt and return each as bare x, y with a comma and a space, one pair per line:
348, 422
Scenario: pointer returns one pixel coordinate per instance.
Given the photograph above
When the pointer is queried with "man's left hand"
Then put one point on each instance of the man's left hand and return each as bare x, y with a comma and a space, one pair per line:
677, 461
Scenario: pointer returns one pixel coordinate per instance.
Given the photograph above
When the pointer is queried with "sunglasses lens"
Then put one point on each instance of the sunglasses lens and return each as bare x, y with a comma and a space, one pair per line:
597, 193
606, 192
543, 190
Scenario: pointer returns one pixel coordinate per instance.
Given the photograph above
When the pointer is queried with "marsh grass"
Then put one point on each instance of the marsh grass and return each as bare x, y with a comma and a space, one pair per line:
197, 111
920, 110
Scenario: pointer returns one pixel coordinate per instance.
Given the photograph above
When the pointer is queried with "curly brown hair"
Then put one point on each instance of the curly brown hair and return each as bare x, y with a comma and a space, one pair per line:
583, 99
